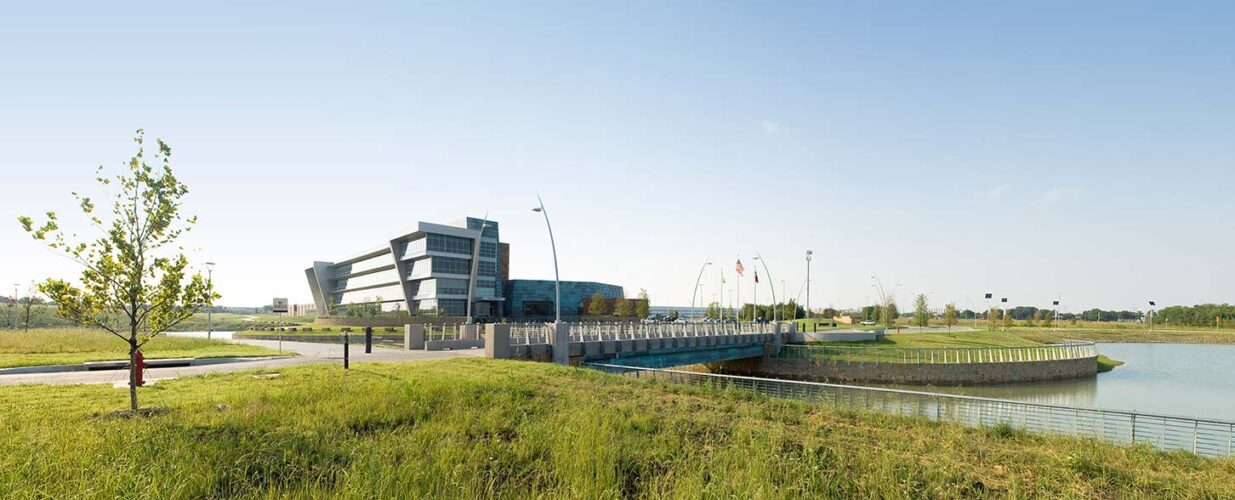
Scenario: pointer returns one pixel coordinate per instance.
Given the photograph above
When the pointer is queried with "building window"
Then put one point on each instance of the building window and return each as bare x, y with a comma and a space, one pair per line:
447, 286
487, 269
449, 244
450, 265
488, 249
538, 308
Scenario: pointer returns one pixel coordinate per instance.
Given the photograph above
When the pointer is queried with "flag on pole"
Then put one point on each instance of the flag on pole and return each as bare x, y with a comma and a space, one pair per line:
756, 275
739, 268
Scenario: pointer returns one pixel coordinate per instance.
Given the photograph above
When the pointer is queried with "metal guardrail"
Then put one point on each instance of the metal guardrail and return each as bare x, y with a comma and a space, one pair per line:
1068, 349
441, 332
1206, 437
542, 333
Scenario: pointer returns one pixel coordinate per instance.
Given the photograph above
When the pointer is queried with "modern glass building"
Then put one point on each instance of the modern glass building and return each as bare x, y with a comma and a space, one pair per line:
533, 299
429, 270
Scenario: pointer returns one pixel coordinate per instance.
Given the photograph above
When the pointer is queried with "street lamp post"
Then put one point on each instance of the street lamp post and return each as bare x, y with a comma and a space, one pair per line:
1151, 315
766, 272
557, 283
697, 282
809, 253
13, 307
209, 310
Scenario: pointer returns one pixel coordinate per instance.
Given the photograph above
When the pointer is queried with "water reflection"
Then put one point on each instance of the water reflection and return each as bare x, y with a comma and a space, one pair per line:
1177, 379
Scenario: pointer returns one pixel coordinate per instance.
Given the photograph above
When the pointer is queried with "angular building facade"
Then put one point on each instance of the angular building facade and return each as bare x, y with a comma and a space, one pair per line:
436, 269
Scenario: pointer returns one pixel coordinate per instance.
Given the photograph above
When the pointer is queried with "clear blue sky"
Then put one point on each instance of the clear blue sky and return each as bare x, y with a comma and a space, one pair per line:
1031, 149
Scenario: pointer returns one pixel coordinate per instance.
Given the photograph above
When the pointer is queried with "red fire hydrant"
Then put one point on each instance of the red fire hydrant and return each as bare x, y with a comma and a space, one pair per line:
141, 368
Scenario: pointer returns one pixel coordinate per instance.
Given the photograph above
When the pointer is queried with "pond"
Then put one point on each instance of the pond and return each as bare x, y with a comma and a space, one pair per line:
1193, 380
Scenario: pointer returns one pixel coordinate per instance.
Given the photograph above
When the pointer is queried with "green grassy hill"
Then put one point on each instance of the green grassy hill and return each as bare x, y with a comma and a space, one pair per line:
483, 428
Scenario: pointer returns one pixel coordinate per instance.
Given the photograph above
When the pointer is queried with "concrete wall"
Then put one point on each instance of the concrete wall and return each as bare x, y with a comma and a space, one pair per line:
394, 321
913, 374
808, 336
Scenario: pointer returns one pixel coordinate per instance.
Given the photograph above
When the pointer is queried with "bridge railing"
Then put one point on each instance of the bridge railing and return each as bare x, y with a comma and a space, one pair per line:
593, 332
1206, 437
1069, 349
542, 333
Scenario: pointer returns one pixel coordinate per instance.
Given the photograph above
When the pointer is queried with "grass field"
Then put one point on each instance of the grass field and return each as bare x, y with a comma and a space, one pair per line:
62, 346
484, 428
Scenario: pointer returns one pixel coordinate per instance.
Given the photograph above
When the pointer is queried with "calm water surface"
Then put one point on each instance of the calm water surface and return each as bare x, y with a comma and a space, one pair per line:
1178, 379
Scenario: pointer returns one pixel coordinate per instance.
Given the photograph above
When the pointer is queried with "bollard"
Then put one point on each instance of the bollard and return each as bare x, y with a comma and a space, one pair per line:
346, 346
368, 340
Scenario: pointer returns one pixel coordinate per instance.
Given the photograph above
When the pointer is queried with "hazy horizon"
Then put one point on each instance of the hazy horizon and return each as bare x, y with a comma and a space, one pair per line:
1045, 150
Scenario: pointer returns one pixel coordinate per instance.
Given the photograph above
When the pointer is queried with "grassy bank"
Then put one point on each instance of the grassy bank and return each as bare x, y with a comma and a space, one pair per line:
1128, 334
1106, 364
63, 346
484, 428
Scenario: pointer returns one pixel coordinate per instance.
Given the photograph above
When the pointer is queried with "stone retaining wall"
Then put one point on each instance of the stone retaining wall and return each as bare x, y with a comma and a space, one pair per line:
909, 373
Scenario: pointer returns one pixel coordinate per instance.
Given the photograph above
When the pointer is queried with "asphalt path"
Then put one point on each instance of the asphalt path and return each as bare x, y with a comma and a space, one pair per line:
306, 352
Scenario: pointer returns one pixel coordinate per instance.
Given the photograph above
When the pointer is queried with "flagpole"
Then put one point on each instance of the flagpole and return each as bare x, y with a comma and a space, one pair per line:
739, 287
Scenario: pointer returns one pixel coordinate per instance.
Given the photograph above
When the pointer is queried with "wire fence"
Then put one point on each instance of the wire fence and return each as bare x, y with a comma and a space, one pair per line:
1211, 438
542, 333
1068, 349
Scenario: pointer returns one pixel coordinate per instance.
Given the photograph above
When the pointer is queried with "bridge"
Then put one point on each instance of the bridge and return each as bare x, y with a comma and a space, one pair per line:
656, 345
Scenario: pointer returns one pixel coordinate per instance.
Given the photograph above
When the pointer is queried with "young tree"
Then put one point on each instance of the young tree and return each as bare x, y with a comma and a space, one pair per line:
643, 304
921, 313
136, 283
28, 311
624, 307
888, 313
673, 315
597, 305
1007, 321
992, 317
949, 315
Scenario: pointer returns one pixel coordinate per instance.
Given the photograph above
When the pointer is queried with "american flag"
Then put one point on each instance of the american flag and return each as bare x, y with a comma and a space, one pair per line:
756, 275
739, 268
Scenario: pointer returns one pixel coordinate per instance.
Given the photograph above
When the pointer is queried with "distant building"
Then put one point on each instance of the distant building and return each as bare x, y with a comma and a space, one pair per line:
683, 311
302, 310
430, 272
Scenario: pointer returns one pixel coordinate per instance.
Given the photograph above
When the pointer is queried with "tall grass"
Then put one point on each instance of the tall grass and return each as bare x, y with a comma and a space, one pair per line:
483, 428
49, 346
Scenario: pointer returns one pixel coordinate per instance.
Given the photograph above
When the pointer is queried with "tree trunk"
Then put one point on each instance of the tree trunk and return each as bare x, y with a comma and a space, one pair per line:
133, 374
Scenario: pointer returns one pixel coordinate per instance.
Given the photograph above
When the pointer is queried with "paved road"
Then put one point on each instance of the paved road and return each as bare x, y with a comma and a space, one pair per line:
308, 352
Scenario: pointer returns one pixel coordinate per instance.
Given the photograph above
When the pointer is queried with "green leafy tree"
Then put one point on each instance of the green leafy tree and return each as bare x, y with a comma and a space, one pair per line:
1007, 321
992, 318
624, 307
673, 315
921, 312
597, 305
888, 313
949, 315
713, 311
136, 284
643, 304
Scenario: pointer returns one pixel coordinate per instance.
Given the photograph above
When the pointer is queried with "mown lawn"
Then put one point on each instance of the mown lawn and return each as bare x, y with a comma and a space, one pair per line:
62, 346
482, 428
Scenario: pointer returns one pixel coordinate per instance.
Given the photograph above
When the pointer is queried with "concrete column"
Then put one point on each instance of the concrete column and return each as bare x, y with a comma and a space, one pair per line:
497, 341
561, 344
414, 337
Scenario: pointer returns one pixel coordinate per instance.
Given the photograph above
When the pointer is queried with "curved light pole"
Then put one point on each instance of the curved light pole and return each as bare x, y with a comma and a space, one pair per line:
878, 286
471, 279
809, 253
209, 318
697, 280
557, 282
770, 284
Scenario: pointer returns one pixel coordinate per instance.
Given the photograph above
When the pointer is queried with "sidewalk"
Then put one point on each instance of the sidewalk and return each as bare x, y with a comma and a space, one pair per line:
308, 352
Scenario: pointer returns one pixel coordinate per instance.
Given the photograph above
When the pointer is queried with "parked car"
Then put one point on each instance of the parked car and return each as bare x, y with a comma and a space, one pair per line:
867, 323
